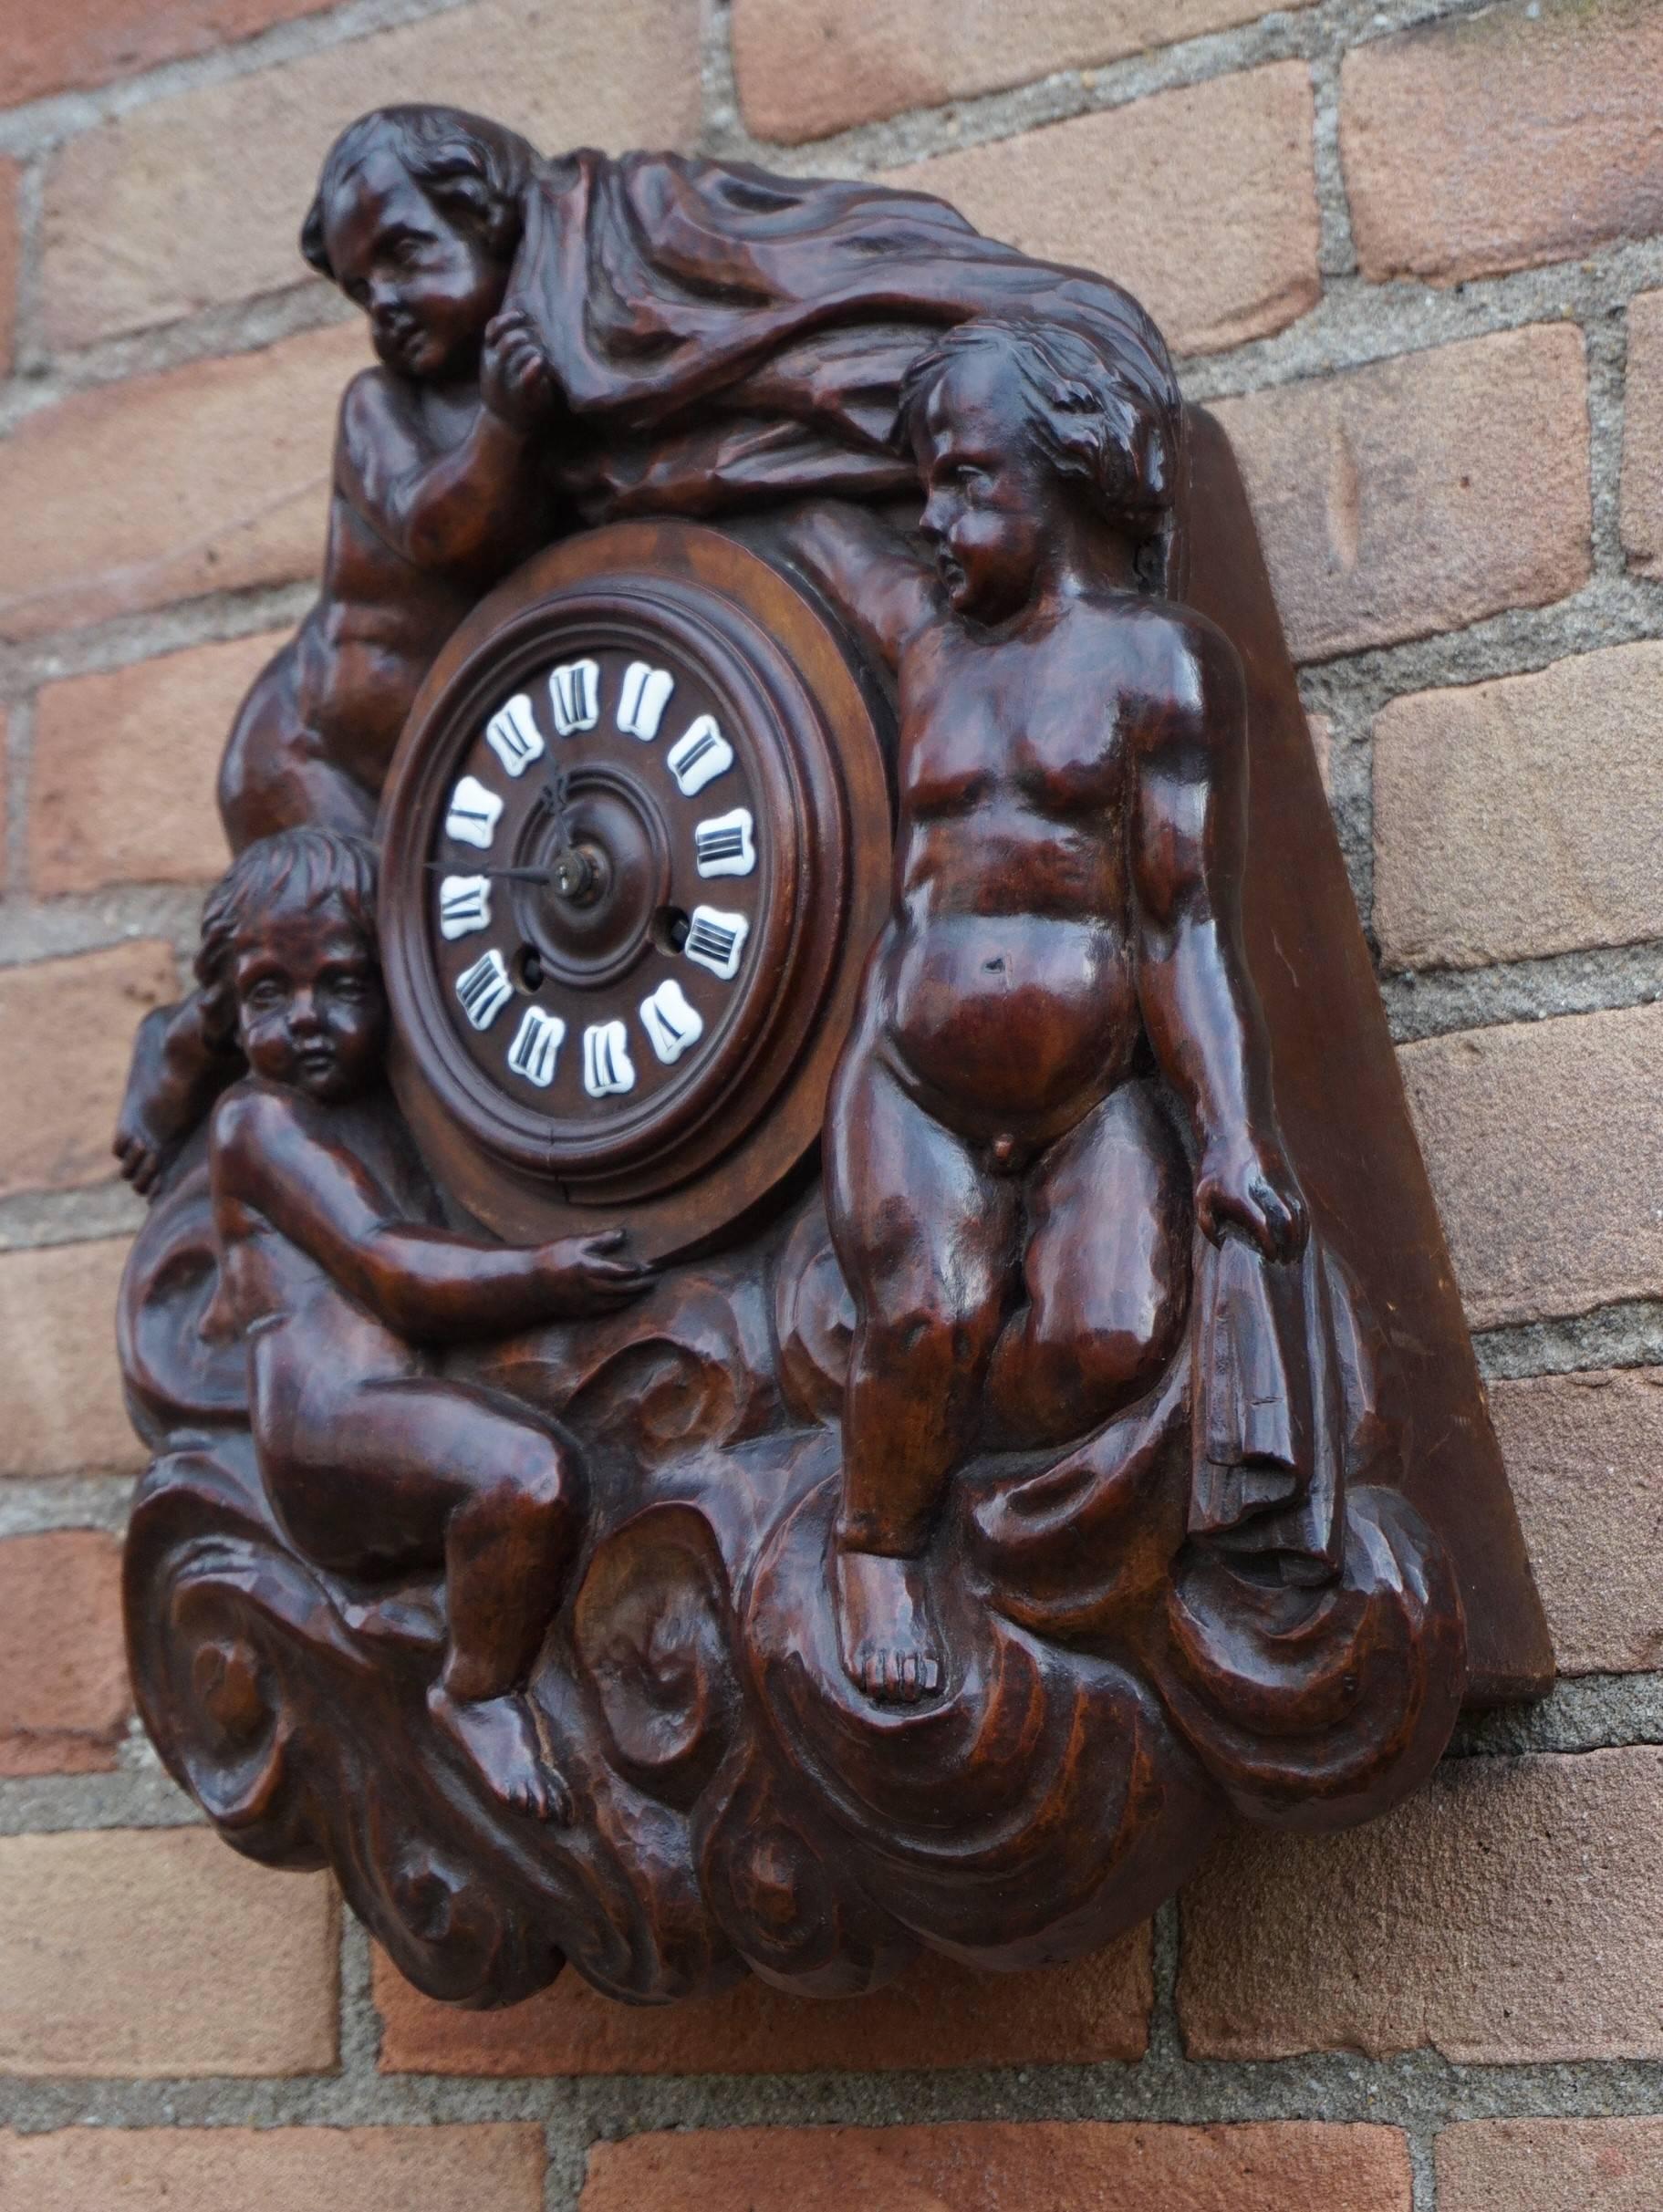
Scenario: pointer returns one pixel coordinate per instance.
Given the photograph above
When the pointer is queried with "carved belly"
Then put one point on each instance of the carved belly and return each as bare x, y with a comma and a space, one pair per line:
1017, 1021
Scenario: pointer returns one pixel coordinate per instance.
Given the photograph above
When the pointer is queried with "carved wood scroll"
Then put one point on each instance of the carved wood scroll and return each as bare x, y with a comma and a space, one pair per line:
790, 1312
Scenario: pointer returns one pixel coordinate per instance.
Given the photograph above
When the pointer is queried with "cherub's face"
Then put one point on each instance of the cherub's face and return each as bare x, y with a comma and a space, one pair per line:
311, 1012
427, 284
989, 496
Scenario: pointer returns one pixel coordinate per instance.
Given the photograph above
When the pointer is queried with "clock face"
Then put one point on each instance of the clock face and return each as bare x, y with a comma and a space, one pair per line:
623, 901
599, 883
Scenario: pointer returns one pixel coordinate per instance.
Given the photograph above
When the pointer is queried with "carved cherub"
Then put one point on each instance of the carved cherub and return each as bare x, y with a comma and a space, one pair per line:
371, 1462
1009, 1204
435, 495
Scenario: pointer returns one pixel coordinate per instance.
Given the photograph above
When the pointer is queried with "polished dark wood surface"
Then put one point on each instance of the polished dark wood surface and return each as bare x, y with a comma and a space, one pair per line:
790, 1310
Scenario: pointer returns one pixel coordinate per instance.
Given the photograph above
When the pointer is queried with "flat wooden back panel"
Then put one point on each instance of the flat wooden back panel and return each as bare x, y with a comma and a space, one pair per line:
1342, 1108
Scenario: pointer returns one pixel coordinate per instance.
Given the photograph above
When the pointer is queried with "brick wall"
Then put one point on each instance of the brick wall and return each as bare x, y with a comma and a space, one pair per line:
1414, 252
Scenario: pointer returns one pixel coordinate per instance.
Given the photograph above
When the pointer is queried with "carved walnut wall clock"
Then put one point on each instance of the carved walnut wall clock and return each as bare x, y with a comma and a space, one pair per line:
790, 1312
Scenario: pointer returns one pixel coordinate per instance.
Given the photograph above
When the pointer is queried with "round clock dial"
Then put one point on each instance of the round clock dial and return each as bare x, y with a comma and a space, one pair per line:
634, 849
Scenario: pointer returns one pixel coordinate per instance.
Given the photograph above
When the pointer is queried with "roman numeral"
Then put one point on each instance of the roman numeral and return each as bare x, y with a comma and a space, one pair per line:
474, 809
513, 735
699, 756
671, 1022
645, 696
723, 845
574, 694
536, 1047
485, 989
607, 1065
464, 905
715, 941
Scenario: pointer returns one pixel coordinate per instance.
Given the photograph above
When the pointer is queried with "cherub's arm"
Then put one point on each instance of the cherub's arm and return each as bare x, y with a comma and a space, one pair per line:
180, 1067
274, 1155
1189, 834
869, 572
445, 508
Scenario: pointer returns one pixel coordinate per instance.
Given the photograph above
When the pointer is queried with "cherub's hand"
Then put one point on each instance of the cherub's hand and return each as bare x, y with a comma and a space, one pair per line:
516, 378
1252, 1186
140, 1150
588, 1274
153, 1116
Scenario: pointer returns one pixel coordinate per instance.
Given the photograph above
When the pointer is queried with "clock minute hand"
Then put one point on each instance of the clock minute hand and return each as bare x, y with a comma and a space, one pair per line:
503, 874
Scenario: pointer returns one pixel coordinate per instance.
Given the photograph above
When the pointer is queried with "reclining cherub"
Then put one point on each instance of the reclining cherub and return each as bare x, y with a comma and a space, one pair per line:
1010, 1206
371, 1462
437, 492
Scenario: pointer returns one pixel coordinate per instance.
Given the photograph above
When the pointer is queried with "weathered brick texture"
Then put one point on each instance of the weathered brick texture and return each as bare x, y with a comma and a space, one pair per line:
1067, 2166
1507, 1913
938, 2014
1550, 2165
1511, 136
808, 66
1517, 818
124, 767
158, 488
1420, 494
1584, 1456
61, 1410
1201, 201
1538, 1136
116, 255
10, 179
159, 1952
58, 1098
64, 1698
279, 2169
1642, 479
53, 48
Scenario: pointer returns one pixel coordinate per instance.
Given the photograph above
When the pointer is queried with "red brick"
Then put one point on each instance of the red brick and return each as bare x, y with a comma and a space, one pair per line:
116, 254
1516, 818
1512, 136
1550, 2165
1585, 1458
213, 477
61, 1409
1201, 201
64, 1698
122, 780
1080, 2166
808, 66
70, 1026
491, 2168
1642, 479
150, 1953
938, 2014
11, 246
1508, 1913
53, 49
1421, 493
1546, 1149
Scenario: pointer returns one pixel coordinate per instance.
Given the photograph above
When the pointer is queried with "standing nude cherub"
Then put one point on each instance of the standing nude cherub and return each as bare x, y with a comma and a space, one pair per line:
1009, 1204
436, 494
372, 1463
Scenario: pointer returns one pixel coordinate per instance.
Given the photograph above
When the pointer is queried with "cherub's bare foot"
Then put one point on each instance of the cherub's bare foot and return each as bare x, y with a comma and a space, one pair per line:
889, 1649
498, 1735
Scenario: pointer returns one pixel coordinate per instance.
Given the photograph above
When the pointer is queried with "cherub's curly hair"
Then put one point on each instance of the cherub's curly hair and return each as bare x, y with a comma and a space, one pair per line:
1091, 417
466, 165
307, 866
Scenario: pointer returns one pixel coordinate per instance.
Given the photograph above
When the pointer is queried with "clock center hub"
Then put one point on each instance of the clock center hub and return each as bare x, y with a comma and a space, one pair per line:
599, 842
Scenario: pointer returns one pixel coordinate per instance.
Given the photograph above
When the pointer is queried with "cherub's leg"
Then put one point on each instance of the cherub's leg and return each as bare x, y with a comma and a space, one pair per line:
1107, 1273
927, 1242
276, 773
428, 1464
